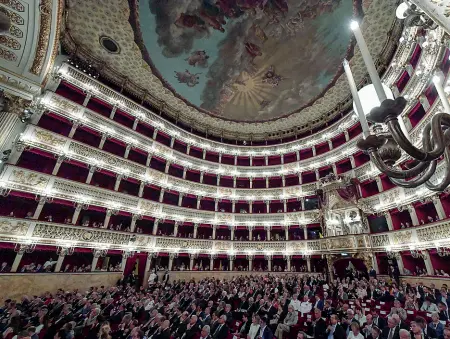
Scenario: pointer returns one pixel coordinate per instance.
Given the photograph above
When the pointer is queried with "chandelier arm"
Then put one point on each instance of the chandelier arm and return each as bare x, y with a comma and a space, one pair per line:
446, 181
393, 173
437, 121
419, 180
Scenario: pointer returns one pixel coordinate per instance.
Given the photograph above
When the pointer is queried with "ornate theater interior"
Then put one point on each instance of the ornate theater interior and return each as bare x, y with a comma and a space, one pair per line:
148, 142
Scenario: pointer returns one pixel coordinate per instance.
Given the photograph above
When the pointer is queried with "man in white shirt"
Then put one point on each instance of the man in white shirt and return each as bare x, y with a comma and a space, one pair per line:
305, 306
295, 302
428, 306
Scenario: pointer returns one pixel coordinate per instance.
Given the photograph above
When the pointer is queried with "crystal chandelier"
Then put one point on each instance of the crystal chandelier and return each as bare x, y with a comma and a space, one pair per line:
376, 104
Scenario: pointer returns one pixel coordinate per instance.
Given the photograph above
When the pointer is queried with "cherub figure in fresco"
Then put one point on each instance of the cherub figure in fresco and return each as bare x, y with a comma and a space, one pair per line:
198, 58
272, 78
229, 8
187, 78
191, 21
253, 50
215, 21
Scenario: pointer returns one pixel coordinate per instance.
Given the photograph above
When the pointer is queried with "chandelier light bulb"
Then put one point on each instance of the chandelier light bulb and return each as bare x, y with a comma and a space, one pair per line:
369, 98
436, 79
354, 25
401, 10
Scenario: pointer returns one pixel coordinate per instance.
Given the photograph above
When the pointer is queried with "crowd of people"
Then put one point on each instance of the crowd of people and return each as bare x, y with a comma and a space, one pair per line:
246, 306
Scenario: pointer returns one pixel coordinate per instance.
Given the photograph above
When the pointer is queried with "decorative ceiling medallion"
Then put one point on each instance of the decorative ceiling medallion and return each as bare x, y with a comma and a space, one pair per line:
109, 44
44, 36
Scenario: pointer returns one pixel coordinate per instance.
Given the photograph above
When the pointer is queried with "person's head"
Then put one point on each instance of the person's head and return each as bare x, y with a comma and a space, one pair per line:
447, 332
245, 317
435, 317
290, 308
301, 335
31, 330
345, 307
262, 322
391, 322
334, 319
442, 307
421, 322
397, 303
227, 308
205, 331
350, 314
355, 328
165, 324
26, 335
369, 318
138, 334
375, 332
374, 313
193, 320
255, 319
396, 318
223, 319
404, 334
415, 328
317, 313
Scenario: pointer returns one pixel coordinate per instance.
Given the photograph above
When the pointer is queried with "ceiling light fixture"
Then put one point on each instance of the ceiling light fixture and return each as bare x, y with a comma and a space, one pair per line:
385, 148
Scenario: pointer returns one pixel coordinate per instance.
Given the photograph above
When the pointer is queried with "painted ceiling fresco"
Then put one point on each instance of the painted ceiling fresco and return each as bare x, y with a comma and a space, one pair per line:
247, 60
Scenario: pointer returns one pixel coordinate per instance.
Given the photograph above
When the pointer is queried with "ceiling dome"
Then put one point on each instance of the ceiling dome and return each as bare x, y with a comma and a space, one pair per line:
246, 60
236, 68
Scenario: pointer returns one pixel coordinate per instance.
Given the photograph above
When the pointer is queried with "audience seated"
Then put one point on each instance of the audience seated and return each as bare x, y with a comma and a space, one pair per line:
249, 307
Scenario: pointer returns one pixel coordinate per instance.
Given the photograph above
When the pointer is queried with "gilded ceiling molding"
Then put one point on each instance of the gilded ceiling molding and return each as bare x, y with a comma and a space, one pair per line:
44, 36
14, 4
55, 49
15, 105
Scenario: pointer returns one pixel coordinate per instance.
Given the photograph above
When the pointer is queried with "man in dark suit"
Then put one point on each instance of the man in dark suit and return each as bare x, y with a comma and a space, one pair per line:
184, 320
391, 331
427, 329
206, 320
204, 334
245, 327
163, 332
264, 331
377, 320
335, 329
192, 328
443, 312
318, 327
215, 321
366, 328
243, 305
229, 314
416, 330
221, 331
327, 310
